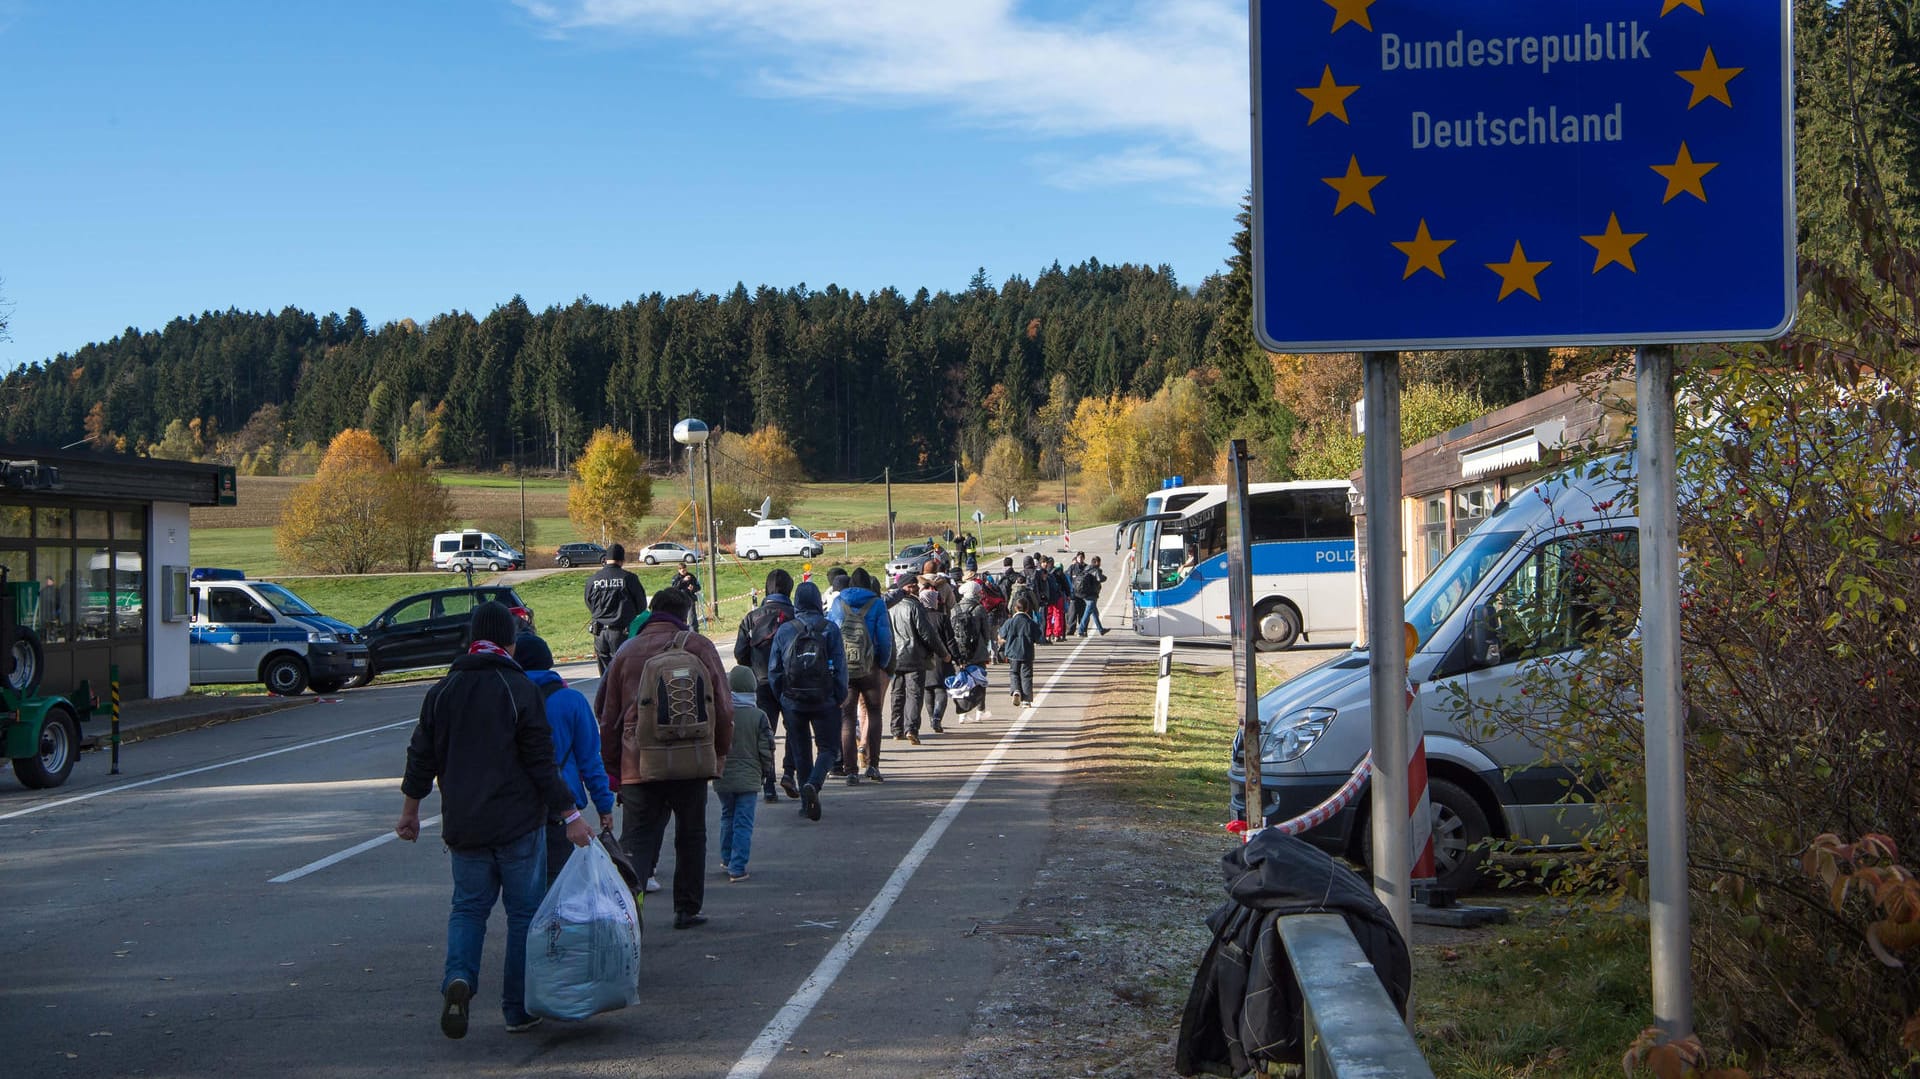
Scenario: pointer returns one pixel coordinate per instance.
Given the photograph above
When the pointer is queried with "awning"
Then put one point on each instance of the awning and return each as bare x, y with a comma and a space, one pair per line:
1511, 453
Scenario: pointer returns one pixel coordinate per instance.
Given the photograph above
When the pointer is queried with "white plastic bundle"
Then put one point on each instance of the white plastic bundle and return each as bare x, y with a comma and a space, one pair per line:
583, 948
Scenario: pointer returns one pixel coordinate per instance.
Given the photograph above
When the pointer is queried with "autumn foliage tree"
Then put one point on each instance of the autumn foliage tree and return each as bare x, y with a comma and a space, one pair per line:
1006, 473
750, 468
338, 522
416, 505
611, 490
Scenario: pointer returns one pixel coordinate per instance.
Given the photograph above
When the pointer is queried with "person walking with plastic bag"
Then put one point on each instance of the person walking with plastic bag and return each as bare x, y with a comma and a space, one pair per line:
483, 736
576, 746
583, 951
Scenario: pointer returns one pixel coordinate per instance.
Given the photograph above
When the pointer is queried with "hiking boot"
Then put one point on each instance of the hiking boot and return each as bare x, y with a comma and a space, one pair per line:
810, 801
938, 729
771, 796
787, 784
523, 1025
873, 773
913, 738
453, 1012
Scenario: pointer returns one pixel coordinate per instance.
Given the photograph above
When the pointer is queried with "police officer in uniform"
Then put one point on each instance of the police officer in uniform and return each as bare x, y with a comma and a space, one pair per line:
614, 598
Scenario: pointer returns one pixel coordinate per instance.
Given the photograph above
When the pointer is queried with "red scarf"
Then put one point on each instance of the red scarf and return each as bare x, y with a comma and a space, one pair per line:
485, 647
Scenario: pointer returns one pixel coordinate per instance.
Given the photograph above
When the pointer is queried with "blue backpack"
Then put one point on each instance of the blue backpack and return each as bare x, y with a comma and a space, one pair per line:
808, 666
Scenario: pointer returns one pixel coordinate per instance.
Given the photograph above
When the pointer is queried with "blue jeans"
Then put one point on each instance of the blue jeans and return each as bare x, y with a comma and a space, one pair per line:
736, 830
816, 758
1091, 610
519, 871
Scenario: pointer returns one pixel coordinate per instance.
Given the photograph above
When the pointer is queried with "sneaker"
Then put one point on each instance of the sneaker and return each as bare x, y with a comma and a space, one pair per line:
653, 884
873, 773
453, 1013
735, 878
1104, 632
787, 784
524, 1025
853, 779
688, 921
810, 802
771, 796
913, 739
938, 729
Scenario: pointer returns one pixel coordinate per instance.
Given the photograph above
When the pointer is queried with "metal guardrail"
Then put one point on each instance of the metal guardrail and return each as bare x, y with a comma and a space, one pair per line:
1353, 1031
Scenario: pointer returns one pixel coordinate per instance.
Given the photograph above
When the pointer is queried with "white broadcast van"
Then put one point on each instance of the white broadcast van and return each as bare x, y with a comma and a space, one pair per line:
483, 550
777, 538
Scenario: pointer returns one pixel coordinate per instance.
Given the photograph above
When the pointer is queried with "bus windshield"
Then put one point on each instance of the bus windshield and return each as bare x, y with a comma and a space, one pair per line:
282, 600
1456, 577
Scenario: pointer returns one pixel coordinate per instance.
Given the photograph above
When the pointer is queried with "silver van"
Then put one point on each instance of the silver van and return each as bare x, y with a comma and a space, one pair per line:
1517, 598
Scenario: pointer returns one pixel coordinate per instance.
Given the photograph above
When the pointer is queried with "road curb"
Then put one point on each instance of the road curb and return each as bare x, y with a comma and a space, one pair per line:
163, 727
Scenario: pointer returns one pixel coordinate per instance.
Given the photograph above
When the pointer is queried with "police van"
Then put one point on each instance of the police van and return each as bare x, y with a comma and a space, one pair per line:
257, 631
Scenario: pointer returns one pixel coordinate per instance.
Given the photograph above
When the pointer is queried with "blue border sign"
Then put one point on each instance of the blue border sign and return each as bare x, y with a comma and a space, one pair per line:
1447, 174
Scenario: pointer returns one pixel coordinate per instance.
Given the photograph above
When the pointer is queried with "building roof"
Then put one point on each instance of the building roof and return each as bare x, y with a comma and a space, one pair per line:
122, 477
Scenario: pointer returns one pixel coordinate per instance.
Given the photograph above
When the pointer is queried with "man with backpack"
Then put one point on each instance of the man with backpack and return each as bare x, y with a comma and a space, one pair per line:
1088, 592
1076, 605
614, 597
666, 724
920, 649
867, 634
753, 648
808, 671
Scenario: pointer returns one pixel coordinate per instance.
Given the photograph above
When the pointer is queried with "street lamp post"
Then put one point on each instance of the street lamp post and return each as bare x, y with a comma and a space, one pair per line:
692, 432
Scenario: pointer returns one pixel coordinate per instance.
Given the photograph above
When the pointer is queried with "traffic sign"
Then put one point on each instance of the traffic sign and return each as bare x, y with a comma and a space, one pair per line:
1013, 505
978, 516
1432, 174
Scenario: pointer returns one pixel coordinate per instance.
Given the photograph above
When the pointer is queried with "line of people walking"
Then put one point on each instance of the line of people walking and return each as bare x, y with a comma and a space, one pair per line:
520, 758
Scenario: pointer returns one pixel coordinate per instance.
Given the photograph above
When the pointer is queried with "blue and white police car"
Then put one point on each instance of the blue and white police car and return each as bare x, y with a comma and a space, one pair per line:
258, 631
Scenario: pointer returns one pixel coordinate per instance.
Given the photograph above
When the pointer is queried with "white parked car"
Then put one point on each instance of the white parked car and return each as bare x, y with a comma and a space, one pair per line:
655, 553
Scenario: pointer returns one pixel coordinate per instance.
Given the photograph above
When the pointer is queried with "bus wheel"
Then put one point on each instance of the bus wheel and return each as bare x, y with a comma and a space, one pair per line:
1278, 625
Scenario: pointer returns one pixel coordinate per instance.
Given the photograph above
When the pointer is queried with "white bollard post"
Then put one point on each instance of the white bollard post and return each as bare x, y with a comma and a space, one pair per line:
1163, 693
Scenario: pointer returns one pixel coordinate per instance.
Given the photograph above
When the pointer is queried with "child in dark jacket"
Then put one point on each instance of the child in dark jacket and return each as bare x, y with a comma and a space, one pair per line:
1017, 635
749, 768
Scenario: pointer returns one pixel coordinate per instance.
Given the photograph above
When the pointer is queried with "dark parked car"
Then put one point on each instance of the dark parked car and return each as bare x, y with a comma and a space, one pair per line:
579, 554
430, 629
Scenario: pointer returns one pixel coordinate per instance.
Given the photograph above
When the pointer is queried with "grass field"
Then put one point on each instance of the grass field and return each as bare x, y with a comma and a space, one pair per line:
242, 535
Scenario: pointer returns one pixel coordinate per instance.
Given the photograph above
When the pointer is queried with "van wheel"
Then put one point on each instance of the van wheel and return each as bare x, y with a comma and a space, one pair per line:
753, 556
285, 676
1460, 832
27, 662
1277, 626
59, 745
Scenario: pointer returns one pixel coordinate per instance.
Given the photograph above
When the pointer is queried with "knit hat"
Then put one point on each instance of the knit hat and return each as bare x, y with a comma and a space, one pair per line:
741, 680
532, 653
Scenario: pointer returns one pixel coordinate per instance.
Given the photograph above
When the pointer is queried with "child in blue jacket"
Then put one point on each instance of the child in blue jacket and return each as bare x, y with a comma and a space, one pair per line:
576, 744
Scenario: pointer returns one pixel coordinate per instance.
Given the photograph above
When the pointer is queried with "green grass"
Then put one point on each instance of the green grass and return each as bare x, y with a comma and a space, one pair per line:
501, 480
250, 549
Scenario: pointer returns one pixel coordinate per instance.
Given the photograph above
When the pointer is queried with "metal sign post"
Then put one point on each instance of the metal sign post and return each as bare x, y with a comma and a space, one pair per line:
1246, 675
1663, 711
1386, 658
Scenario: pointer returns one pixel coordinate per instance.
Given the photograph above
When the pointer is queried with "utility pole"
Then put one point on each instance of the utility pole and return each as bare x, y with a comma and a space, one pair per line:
888, 473
1066, 515
956, 496
518, 467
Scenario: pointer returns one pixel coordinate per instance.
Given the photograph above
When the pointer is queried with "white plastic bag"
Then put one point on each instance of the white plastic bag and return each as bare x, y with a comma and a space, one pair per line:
583, 948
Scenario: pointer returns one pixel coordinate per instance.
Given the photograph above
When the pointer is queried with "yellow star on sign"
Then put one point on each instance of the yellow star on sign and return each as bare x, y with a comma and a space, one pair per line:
1517, 274
1355, 189
1710, 80
1423, 252
1684, 175
1614, 246
1674, 5
1329, 98
1353, 11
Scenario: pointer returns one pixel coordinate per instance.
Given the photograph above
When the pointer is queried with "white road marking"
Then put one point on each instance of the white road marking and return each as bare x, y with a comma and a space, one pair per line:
342, 855
781, 1028
90, 795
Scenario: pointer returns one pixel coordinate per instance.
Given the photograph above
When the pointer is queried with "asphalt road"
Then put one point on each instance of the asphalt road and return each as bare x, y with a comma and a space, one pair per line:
146, 932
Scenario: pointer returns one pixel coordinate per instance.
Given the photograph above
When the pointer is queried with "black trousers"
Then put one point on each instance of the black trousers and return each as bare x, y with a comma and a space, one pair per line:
643, 827
605, 643
769, 702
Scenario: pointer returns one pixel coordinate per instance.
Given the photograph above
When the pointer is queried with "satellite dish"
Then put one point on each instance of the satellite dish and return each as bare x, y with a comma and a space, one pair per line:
766, 507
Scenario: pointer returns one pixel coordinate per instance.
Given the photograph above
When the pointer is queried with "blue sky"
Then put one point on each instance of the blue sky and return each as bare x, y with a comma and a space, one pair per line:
413, 157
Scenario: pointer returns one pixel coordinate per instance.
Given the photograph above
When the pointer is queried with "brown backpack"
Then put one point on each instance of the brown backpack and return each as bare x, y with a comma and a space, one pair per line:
673, 713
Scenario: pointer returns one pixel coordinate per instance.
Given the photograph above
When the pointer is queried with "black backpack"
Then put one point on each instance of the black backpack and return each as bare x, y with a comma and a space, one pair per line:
761, 624
808, 665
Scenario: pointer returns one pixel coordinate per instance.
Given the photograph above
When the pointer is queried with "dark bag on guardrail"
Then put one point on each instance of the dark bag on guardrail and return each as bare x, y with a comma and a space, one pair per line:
1244, 1011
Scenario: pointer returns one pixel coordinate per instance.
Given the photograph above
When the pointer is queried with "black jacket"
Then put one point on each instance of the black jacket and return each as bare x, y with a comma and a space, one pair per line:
614, 597
483, 734
753, 645
1245, 1009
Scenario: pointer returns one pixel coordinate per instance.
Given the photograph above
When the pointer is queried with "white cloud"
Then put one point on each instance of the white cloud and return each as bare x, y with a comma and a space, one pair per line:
1168, 78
